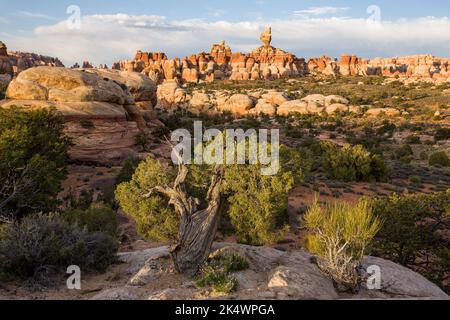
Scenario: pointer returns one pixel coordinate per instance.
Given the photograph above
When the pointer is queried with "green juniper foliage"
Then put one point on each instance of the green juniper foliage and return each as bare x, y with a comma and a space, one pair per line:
33, 159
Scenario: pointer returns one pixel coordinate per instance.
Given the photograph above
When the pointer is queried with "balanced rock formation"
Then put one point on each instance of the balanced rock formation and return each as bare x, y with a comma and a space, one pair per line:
220, 63
99, 107
6, 69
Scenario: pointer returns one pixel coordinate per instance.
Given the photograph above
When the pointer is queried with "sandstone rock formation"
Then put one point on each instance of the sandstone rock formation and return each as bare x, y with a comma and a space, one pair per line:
99, 107
6, 68
425, 67
272, 274
22, 61
220, 63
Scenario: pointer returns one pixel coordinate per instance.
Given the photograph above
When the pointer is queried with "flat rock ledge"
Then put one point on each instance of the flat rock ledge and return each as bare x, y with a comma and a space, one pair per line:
272, 274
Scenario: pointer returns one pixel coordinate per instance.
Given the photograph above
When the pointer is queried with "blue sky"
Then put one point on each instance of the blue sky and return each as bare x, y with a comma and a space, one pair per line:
115, 29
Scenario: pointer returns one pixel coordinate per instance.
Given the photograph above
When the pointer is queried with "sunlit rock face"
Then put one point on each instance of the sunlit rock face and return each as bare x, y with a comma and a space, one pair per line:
266, 62
104, 110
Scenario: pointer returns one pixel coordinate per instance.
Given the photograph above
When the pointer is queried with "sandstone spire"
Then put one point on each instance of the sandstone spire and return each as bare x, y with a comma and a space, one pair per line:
266, 36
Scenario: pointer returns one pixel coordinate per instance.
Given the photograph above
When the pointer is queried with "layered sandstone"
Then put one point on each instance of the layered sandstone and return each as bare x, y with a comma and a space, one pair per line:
426, 67
99, 107
220, 63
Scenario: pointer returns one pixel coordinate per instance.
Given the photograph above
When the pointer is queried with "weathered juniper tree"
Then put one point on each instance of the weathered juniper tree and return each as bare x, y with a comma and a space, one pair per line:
185, 203
197, 226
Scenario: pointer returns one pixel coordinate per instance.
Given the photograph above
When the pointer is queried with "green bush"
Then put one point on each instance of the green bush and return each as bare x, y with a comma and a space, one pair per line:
216, 272
127, 171
442, 134
33, 160
439, 159
155, 218
258, 204
87, 124
2, 91
40, 246
142, 139
413, 140
99, 217
339, 234
403, 151
414, 233
352, 163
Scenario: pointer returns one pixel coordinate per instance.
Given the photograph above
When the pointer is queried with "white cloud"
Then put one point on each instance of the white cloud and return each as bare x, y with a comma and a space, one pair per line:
36, 15
108, 38
319, 11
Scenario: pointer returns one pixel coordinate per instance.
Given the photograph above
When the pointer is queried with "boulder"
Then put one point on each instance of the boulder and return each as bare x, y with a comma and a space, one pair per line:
141, 87
400, 282
294, 106
200, 102
333, 99
390, 112
263, 107
170, 95
275, 98
98, 107
315, 98
66, 85
272, 274
336, 107
237, 104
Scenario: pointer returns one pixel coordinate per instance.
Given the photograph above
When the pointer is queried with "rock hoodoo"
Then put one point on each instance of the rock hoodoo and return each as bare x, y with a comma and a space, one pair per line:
220, 63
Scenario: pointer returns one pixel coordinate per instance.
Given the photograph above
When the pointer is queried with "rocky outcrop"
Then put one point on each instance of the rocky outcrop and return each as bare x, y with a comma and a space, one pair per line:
323, 65
351, 65
272, 274
425, 67
220, 63
22, 61
99, 107
6, 68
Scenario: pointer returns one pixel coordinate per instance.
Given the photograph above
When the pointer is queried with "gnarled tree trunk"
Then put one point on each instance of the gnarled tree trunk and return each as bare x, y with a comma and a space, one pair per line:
197, 227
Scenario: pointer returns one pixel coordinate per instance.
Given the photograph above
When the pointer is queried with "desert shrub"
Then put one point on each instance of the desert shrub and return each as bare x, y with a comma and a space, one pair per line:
339, 234
216, 272
403, 151
33, 159
439, 159
413, 140
142, 139
99, 217
257, 203
415, 179
127, 171
352, 163
2, 91
40, 246
442, 134
87, 124
415, 233
424, 156
155, 218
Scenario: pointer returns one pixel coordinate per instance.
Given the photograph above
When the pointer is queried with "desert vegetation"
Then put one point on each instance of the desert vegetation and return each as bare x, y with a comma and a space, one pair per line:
351, 184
